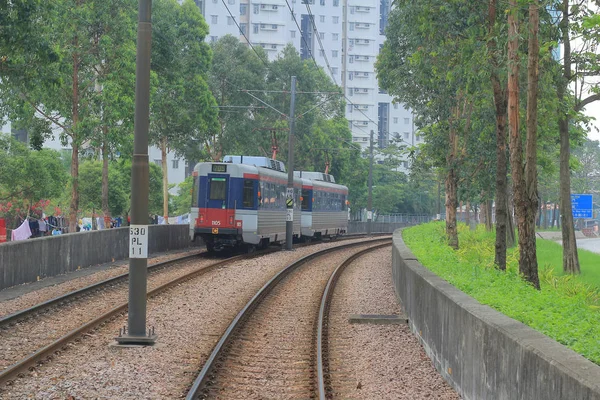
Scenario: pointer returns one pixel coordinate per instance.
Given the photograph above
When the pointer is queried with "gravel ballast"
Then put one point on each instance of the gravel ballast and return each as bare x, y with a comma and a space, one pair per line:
34, 297
189, 319
370, 361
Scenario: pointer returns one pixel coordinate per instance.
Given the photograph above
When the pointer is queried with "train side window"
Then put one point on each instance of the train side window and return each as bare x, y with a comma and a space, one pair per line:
248, 195
305, 199
218, 189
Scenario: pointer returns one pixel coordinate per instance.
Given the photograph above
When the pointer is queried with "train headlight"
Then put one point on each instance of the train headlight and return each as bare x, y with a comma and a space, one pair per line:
231, 220
201, 218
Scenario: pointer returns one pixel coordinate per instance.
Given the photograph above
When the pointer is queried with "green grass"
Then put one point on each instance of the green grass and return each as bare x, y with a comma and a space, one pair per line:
566, 309
550, 256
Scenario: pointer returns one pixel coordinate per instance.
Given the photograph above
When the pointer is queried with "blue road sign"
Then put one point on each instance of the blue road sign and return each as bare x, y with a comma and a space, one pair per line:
582, 205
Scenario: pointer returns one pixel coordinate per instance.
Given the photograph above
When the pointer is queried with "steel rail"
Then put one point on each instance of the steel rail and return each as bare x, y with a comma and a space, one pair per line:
20, 315
71, 296
48, 350
202, 378
324, 315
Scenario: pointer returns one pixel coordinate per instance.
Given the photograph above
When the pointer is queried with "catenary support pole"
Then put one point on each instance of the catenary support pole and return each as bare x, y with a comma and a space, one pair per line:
138, 234
289, 218
370, 199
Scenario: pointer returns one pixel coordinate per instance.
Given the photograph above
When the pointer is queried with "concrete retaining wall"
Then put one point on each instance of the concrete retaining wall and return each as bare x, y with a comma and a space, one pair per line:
25, 261
482, 353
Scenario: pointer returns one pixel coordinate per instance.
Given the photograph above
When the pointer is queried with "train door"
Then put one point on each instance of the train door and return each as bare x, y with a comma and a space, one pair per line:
221, 214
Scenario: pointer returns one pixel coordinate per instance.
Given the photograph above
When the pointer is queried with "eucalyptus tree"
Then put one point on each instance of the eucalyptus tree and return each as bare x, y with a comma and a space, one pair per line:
182, 106
431, 62
235, 72
60, 89
580, 70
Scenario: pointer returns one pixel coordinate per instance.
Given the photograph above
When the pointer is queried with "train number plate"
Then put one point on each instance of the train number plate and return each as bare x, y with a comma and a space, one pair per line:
215, 231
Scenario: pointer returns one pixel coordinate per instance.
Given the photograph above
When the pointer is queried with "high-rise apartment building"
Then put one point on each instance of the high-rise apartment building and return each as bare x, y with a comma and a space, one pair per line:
346, 34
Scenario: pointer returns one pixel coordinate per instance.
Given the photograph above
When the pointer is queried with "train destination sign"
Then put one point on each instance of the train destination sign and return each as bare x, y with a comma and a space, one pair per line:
219, 168
582, 205
138, 241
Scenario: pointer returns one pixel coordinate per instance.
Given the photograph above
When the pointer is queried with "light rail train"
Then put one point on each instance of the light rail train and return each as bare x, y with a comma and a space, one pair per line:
242, 202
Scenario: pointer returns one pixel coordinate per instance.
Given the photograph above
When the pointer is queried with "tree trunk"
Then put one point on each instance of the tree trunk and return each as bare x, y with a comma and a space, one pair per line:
105, 209
523, 192
540, 216
500, 103
163, 150
528, 265
74, 206
468, 215
452, 189
554, 219
570, 256
510, 220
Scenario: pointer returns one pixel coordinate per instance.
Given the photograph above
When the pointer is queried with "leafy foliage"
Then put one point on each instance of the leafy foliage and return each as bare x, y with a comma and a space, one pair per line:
27, 176
565, 309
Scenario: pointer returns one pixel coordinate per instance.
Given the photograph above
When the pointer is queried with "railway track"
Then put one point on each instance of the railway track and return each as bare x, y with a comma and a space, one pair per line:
276, 346
55, 342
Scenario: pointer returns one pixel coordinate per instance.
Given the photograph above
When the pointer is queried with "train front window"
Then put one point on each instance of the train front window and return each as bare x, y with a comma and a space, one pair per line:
218, 189
195, 190
248, 193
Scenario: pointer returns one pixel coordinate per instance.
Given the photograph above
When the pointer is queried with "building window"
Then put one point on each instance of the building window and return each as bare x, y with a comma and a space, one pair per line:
395, 120
214, 19
334, 70
175, 164
336, 3
243, 8
334, 53
213, 39
334, 36
255, 28
158, 162
244, 29
395, 106
406, 135
215, 1
292, 34
322, 2
418, 137
229, 20
365, 139
322, 35
231, 1
322, 18
406, 121
274, 27
322, 53
256, 9
351, 26
335, 19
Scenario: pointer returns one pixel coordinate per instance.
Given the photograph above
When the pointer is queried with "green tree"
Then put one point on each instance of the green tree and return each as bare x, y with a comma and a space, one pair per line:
70, 87
236, 67
27, 176
182, 106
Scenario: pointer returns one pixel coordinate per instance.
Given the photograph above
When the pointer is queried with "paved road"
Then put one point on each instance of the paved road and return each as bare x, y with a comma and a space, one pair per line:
589, 244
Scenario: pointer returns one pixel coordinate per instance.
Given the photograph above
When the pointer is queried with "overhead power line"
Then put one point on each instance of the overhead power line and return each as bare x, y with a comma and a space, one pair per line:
244, 34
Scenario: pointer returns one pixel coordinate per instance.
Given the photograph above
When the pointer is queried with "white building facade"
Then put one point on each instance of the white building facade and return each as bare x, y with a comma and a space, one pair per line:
351, 33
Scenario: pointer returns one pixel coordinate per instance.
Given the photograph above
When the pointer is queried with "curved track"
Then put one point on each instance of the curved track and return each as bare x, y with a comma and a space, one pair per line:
273, 337
39, 312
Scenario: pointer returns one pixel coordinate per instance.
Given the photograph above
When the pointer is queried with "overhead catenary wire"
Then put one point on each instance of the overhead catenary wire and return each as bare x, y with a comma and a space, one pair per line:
245, 37
312, 19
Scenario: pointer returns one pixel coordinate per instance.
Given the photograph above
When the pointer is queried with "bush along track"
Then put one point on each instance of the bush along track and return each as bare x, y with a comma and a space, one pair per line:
565, 309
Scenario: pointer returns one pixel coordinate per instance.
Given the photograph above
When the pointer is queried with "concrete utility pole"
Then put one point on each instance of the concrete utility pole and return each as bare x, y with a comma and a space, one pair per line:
370, 199
138, 231
289, 217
